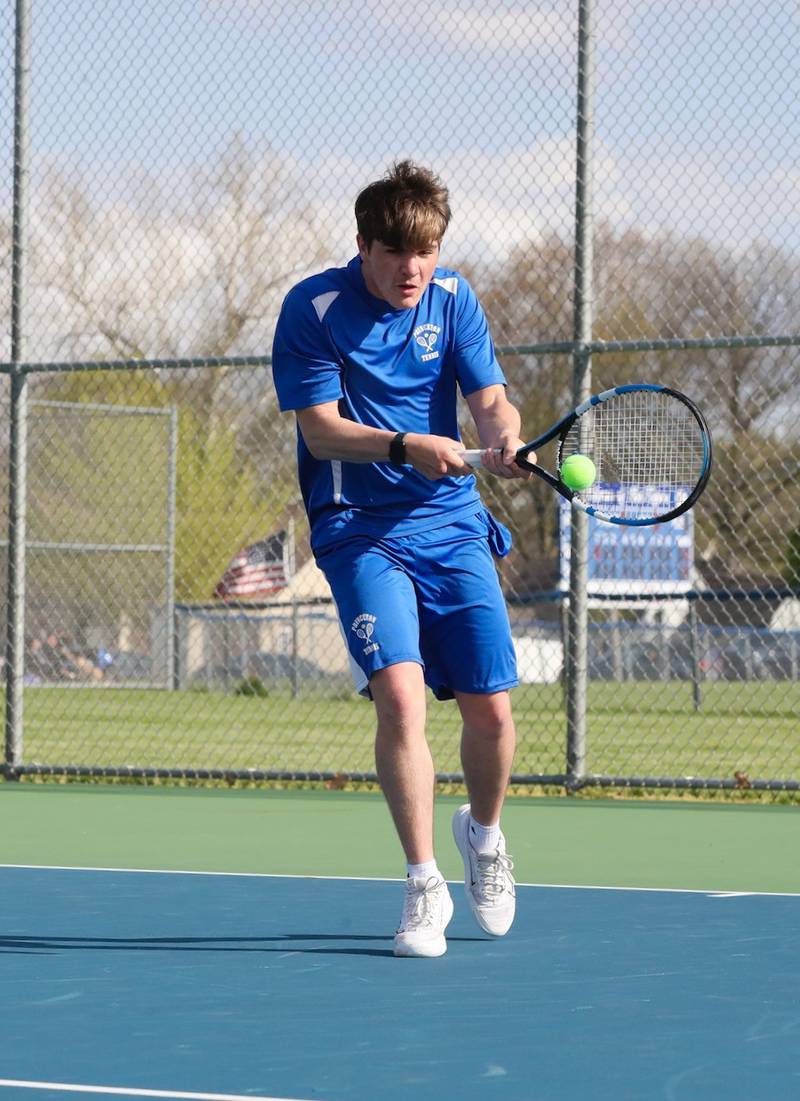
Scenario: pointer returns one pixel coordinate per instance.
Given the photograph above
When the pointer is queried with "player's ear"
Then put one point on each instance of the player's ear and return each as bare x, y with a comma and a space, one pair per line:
363, 248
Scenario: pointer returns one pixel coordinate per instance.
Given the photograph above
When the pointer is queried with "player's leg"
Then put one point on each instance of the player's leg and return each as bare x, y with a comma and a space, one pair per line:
487, 751
406, 773
378, 613
403, 757
488, 741
469, 654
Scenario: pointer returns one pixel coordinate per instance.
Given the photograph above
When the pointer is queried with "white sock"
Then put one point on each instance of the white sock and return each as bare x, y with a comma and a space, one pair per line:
423, 871
484, 839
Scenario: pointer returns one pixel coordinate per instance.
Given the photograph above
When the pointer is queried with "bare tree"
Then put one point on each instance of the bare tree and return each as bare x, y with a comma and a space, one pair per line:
661, 287
201, 281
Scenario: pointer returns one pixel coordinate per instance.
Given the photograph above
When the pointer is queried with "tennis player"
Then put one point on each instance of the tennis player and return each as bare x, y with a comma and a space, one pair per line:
370, 358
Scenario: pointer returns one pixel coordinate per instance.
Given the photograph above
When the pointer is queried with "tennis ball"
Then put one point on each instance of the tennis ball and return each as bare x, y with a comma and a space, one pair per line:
578, 472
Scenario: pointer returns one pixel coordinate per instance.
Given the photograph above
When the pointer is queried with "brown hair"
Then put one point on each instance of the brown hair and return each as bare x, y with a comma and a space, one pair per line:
408, 208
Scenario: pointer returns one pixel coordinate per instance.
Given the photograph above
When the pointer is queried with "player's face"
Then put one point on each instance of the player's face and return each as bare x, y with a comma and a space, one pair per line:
398, 276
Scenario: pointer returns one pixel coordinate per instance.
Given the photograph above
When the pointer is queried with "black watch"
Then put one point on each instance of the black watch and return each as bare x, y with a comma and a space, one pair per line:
397, 449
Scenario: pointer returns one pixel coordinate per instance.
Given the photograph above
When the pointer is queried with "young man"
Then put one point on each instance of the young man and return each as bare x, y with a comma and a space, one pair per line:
370, 357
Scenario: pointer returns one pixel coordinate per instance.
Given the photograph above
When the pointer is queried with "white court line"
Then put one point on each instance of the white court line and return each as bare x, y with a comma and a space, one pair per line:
69, 1087
184, 871
714, 892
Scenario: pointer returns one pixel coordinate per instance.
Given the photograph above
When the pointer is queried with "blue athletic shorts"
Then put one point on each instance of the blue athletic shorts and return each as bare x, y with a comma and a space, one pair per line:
433, 598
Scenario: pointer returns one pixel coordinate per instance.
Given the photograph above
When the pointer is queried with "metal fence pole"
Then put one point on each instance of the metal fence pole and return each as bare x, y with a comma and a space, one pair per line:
295, 640
170, 620
697, 691
577, 638
15, 591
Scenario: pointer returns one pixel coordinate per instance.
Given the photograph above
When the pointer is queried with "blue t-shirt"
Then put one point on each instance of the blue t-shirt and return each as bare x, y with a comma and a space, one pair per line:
391, 369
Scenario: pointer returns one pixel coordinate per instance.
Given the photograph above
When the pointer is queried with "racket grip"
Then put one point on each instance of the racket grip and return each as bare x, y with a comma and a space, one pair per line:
473, 457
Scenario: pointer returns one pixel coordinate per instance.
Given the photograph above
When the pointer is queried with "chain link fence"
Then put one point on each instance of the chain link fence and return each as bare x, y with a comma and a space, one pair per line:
100, 539
173, 170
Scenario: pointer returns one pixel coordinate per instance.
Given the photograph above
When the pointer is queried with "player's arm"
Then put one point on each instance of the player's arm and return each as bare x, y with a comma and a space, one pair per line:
498, 423
328, 435
482, 383
307, 374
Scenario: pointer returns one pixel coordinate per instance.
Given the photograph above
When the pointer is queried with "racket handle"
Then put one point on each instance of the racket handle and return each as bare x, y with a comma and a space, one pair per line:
473, 457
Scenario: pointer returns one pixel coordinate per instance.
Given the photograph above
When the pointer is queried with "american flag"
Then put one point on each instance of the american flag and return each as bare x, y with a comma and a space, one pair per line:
261, 568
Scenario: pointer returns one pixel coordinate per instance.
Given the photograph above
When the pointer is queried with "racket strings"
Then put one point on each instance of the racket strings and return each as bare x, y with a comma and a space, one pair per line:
648, 450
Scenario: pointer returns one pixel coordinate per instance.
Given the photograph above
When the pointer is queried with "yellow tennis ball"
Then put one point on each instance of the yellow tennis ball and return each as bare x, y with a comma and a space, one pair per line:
578, 472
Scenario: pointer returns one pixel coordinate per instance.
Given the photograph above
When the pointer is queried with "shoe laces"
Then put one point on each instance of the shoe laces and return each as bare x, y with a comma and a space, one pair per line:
422, 903
494, 875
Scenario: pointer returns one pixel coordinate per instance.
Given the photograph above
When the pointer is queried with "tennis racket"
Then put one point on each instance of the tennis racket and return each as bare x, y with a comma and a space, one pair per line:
651, 448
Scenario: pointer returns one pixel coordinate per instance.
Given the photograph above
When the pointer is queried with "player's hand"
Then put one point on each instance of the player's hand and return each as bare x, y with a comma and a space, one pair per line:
436, 456
500, 460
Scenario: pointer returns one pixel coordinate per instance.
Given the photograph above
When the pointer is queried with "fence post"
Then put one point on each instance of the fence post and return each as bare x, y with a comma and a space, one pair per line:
697, 693
172, 657
295, 640
577, 638
15, 591
177, 662
617, 660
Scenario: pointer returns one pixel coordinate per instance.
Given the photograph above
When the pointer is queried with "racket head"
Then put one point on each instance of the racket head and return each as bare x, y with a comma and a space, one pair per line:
652, 450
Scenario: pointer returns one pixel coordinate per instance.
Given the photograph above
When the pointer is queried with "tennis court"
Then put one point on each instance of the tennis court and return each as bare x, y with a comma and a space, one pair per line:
190, 943
624, 184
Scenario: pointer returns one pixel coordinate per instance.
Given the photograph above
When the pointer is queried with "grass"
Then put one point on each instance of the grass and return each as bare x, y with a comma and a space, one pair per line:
654, 729
633, 729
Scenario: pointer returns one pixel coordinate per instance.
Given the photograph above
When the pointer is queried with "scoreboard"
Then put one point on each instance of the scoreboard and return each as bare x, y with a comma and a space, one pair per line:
656, 558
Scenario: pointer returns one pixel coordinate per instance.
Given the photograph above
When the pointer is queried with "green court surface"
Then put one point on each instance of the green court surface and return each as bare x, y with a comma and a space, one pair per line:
597, 842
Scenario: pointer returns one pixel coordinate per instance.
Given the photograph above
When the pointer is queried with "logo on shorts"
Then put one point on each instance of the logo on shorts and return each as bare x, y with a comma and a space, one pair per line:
363, 626
426, 336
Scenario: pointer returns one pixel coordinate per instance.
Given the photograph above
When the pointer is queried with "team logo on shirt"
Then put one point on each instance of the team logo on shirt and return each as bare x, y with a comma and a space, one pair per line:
363, 627
426, 336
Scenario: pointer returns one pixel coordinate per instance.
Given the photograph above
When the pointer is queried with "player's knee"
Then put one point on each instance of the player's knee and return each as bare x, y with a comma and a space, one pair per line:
500, 732
490, 712
399, 695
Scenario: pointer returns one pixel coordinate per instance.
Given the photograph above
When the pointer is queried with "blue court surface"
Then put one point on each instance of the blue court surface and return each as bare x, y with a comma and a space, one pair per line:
195, 985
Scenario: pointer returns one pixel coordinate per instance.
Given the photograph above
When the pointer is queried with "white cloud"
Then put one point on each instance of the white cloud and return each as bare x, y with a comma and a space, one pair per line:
706, 197
511, 29
498, 201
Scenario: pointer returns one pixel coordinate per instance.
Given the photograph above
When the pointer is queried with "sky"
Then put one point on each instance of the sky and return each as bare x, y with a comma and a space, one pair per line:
697, 116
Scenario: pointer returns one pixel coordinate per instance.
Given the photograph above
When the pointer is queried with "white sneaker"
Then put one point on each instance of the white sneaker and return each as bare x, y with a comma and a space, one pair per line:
488, 882
427, 911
